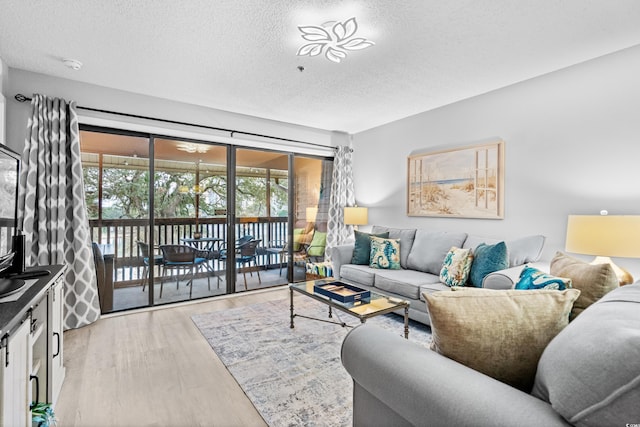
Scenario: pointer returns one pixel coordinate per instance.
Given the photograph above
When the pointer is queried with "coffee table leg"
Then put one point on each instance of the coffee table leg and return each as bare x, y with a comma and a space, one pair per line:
406, 322
330, 312
291, 305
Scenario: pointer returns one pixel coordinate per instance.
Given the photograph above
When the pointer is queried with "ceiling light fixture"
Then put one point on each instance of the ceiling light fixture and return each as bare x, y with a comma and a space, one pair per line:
74, 64
332, 38
190, 147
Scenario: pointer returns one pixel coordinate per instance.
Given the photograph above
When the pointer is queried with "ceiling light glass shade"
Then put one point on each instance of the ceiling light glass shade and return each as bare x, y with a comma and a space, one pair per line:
605, 236
332, 38
356, 215
190, 147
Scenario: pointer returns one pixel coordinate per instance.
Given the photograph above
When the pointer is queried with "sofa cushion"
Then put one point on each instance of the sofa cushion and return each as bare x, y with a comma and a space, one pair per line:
406, 237
403, 282
487, 259
532, 278
429, 249
521, 251
594, 281
590, 372
501, 333
430, 288
385, 253
456, 267
362, 247
358, 273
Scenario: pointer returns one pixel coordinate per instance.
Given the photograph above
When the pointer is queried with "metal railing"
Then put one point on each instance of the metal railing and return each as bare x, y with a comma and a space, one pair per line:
123, 235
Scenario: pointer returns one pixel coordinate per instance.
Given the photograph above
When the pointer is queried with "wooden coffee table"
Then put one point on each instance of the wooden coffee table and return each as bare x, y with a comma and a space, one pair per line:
376, 305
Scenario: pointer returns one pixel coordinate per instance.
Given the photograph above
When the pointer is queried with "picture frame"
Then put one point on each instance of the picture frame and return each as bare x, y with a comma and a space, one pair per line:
462, 182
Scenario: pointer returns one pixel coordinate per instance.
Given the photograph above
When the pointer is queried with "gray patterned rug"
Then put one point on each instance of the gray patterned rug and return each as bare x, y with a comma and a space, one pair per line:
293, 376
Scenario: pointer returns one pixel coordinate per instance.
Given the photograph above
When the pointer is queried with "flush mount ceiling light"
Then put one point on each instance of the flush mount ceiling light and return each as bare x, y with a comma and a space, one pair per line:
332, 38
190, 147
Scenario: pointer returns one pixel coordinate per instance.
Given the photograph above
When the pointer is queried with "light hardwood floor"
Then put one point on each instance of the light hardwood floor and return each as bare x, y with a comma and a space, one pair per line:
153, 368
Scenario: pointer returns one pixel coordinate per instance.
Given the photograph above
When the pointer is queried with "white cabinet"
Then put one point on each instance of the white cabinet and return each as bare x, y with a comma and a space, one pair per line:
15, 391
31, 349
56, 347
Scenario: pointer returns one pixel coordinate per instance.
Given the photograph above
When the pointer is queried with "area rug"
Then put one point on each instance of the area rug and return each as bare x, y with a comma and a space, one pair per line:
292, 376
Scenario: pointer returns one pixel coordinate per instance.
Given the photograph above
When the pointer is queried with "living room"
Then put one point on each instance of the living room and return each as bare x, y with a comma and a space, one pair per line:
570, 138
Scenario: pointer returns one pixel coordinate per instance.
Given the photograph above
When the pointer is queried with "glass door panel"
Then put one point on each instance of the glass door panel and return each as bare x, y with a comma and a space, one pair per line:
190, 216
116, 182
312, 187
261, 214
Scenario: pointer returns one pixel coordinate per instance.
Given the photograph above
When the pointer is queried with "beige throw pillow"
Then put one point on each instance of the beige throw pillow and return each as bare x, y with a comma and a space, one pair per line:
593, 280
501, 333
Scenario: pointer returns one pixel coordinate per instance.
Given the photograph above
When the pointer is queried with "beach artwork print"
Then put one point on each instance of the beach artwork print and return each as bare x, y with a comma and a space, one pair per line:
465, 182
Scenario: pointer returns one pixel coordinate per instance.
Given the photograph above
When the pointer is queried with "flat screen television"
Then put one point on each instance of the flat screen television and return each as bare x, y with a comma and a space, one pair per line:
9, 174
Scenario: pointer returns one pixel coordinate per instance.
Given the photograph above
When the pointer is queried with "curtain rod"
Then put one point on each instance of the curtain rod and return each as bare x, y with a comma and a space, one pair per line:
21, 98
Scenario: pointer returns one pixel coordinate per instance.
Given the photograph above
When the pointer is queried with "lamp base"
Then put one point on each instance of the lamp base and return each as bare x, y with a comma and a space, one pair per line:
624, 277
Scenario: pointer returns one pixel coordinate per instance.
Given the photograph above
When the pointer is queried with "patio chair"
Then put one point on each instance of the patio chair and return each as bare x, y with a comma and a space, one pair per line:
143, 247
246, 253
183, 257
222, 255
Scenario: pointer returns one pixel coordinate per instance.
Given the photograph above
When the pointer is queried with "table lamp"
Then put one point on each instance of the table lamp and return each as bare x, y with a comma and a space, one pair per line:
605, 236
356, 216
312, 214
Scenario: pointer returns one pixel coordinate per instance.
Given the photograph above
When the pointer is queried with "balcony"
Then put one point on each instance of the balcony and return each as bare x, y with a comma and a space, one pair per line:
125, 262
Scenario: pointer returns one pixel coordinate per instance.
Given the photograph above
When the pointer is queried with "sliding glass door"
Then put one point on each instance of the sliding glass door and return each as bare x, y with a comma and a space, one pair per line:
176, 219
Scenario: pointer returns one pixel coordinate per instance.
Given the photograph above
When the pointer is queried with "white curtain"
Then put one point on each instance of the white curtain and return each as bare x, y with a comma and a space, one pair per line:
51, 206
342, 195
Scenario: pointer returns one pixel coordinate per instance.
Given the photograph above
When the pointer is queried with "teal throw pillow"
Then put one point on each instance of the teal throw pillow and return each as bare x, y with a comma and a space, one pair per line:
456, 267
362, 248
532, 278
385, 253
487, 259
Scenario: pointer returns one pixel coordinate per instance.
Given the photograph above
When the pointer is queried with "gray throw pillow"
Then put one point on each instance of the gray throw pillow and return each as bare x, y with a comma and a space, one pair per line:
362, 247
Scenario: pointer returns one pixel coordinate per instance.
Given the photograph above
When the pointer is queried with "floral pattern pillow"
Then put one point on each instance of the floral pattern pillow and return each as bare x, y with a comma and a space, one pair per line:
385, 253
456, 267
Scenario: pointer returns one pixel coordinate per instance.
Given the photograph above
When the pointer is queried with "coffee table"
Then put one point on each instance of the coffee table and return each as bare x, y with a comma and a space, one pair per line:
378, 304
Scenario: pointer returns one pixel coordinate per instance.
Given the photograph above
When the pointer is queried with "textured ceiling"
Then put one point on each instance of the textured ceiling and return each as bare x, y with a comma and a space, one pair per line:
240, 55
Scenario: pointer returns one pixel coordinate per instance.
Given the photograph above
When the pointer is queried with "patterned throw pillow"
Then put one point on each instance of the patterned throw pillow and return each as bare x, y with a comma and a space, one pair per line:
456, 267
385, 253
487, 259
362, 247
532, 278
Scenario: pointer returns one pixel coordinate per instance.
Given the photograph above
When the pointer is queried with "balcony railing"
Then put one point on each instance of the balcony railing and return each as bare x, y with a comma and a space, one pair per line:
123, 235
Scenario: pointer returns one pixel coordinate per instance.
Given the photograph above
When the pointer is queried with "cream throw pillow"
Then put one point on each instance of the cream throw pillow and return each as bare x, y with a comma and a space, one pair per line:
501, 333
593, 280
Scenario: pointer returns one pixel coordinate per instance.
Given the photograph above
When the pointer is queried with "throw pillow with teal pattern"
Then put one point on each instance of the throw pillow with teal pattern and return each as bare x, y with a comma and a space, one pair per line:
487, 259
532, 278
385, 253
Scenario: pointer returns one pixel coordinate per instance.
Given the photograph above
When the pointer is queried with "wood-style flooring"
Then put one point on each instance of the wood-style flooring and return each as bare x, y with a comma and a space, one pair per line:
153, 368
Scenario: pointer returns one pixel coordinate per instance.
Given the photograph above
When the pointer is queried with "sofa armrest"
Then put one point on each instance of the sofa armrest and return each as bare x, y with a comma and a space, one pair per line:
341, 254
507, 278
426, 388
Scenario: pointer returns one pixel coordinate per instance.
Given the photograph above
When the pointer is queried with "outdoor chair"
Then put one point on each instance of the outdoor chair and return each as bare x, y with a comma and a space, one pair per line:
143, 247
246, 253
183, 257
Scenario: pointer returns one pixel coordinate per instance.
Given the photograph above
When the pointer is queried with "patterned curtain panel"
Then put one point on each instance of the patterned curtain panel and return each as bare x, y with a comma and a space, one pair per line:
342, 195
52, 208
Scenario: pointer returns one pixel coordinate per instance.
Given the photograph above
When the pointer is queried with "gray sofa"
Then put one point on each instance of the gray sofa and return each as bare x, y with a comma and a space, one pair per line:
588, 375
422, 253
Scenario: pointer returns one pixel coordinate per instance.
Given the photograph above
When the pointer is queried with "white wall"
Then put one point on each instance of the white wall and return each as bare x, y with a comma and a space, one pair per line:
572, 147
87, 95
4, 71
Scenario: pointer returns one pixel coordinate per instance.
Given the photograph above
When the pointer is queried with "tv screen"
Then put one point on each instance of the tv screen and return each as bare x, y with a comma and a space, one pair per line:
9, 174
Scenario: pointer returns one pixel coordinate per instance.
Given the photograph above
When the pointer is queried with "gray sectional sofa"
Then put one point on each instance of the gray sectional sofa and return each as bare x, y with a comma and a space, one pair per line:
422, 253
588, 375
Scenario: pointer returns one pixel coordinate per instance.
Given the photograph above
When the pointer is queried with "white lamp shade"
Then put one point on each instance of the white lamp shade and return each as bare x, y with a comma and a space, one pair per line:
356, 216
604, 235
312, 214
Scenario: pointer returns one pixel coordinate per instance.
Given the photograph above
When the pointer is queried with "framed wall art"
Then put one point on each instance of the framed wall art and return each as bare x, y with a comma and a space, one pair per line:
465, 182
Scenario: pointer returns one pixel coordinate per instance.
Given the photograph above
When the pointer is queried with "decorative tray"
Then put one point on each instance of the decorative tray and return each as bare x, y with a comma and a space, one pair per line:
342, 292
